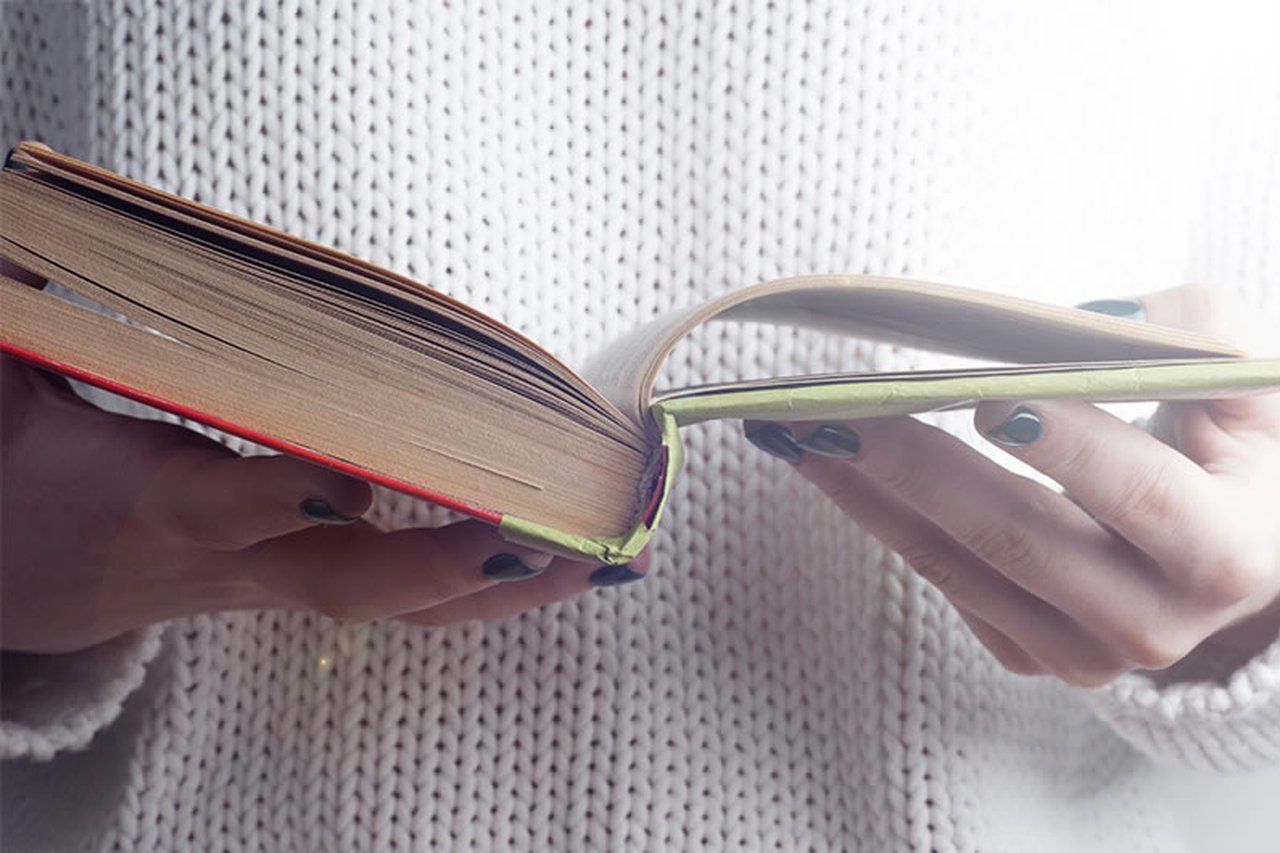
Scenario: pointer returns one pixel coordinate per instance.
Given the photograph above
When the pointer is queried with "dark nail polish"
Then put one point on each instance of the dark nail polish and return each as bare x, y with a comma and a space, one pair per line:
1125, 308
508, 567
1019, 429
835, 441
613, 576
775, 440
319, 511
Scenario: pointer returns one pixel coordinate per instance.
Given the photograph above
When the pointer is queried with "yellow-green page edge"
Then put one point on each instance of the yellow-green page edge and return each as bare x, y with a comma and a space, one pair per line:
870, 398
609, 550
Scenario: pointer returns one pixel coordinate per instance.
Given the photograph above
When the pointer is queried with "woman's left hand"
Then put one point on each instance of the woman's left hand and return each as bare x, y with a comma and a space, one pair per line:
1166, 555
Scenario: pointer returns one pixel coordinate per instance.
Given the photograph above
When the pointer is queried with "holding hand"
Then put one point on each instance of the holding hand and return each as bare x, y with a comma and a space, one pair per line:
1168, 544
111, 523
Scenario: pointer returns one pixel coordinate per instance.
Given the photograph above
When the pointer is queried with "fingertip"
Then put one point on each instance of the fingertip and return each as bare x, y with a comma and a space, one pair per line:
614, 575
475, 543
515, 563
643, 561
505, 566
990, 414
320, 511
532, 557
1015, 428
1125, 309
21, 274
317, 488
774, 439
347, 495
1200, 308
829, 440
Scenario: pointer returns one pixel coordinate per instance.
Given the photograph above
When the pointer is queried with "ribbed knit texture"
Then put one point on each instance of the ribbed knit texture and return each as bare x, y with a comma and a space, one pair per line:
779, 682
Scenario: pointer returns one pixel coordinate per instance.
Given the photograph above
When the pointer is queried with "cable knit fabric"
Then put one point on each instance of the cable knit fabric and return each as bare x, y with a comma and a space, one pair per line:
779, 682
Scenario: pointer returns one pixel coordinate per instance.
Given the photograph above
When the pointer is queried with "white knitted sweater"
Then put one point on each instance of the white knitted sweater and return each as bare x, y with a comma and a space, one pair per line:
778, 682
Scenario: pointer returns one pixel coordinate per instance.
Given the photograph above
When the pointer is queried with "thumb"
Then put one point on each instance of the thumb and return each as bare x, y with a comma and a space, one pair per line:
1195, 308
1203, 309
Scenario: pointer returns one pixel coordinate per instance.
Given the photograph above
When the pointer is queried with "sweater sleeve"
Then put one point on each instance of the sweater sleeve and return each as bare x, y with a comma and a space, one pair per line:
1228, 725
53, 703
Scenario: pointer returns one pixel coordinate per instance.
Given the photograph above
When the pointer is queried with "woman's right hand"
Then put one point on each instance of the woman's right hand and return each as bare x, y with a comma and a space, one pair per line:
111, 523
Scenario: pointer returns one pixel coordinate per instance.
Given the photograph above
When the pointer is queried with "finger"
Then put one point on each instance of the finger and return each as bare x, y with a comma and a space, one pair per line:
1052, 640
217, 499
1002, 547
1202, 309
1193, 307
562, 580
1004, 650
1037, 538
1235, 437
1150, 494
11, 270
359, 573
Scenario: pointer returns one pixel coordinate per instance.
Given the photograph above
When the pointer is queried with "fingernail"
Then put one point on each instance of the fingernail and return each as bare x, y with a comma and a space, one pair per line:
1125, 308
319, 511
508, 567
613, 576
835, 441
1021, 428
775, 440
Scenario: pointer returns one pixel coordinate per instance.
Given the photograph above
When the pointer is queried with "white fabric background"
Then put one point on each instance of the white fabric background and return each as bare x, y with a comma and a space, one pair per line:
779, 682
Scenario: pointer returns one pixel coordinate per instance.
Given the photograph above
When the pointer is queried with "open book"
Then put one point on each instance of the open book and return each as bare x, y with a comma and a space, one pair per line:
312, 352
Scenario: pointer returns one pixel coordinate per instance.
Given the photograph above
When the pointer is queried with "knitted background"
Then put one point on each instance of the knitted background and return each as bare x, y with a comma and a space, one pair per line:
778, 682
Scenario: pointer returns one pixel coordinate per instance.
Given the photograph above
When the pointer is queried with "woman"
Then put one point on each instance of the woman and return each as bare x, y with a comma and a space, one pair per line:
780, 681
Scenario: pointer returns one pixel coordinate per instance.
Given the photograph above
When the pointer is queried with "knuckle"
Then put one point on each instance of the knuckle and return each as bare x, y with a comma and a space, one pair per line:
1090, 677
1070, 455
1005, 546
931, 561
1151, 649
338, 601
844, 491
1018, 664
905, 477
1013, 659
1085, 664
1153, 496
1231, 580
427, 618
332, 606
446, 583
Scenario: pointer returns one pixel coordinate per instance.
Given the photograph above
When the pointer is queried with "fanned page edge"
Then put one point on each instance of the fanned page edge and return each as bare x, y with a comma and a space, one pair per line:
28, 153
652, 490
607, 549
626, 371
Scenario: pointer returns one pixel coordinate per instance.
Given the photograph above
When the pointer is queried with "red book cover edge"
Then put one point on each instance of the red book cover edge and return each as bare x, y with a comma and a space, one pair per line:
46, 363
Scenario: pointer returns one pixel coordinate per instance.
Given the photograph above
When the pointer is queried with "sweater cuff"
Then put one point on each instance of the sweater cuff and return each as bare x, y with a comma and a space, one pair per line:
1229, 726
52, 703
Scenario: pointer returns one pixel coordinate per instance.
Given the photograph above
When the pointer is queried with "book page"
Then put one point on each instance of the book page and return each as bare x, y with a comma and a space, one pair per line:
935, 317
851, 396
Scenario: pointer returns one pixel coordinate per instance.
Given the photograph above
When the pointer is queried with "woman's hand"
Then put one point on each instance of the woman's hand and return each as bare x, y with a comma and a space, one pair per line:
111, 523
1168, 544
